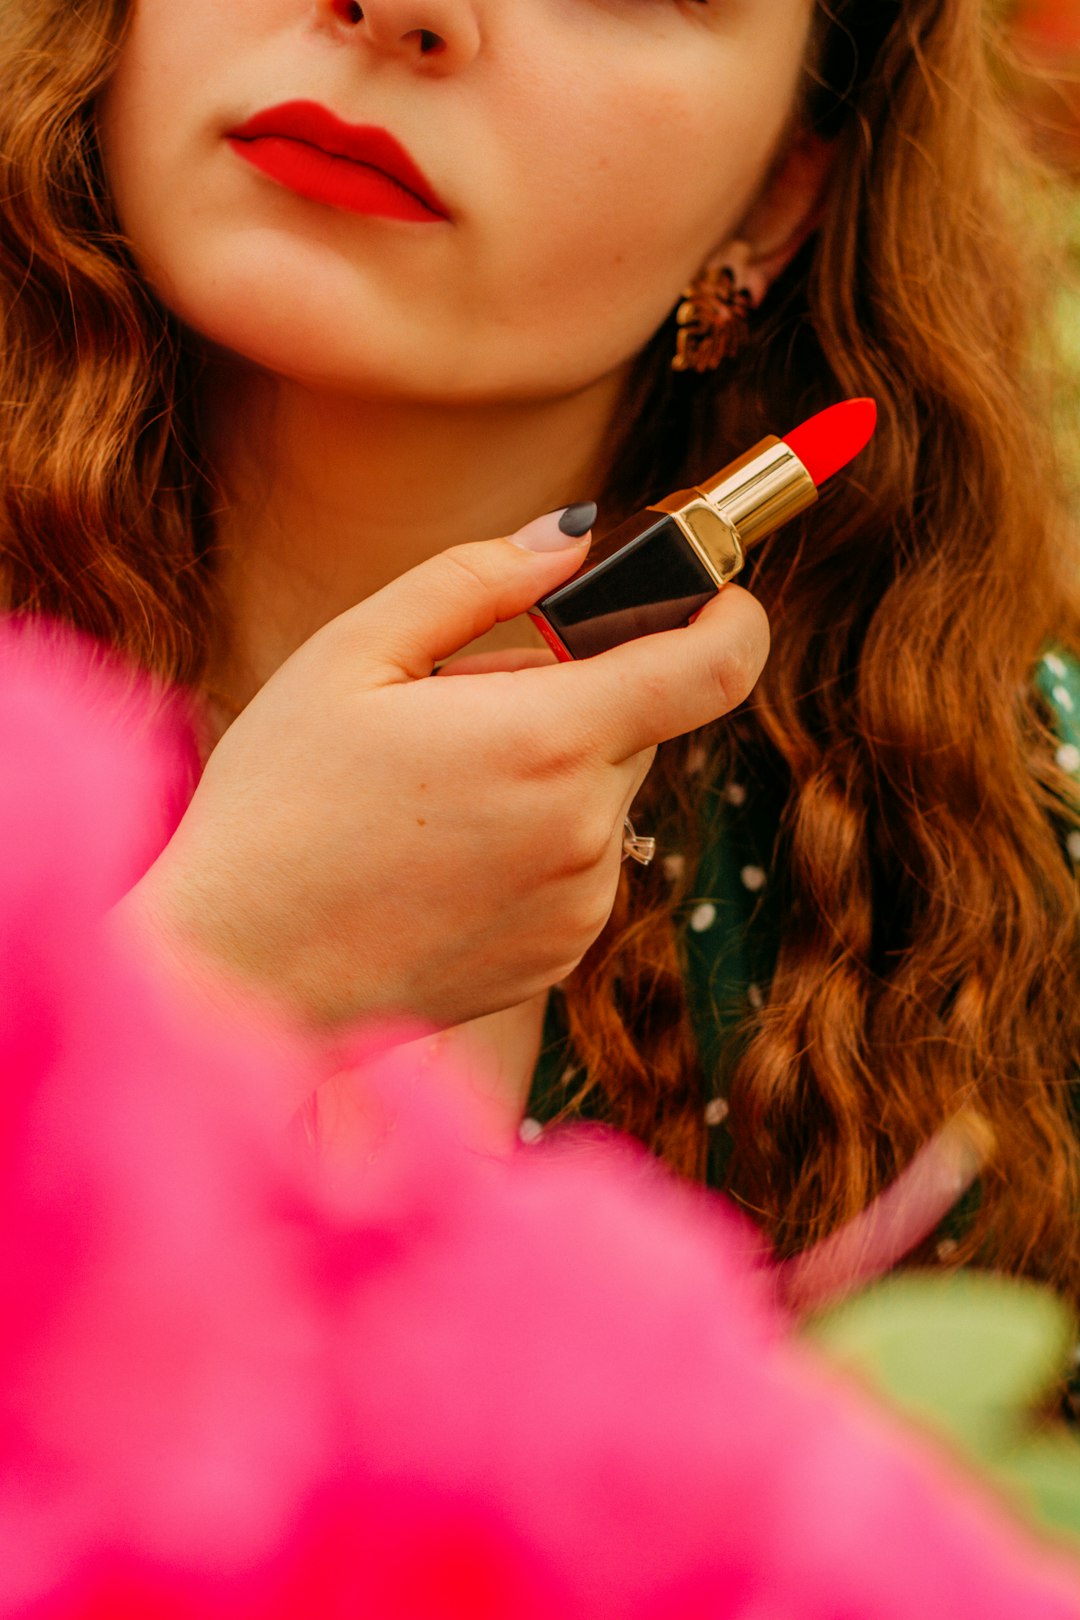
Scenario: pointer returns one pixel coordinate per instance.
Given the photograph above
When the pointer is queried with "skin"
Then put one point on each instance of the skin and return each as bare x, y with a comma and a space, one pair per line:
383, 390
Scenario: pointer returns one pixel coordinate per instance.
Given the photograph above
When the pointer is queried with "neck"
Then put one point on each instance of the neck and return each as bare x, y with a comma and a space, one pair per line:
329, 497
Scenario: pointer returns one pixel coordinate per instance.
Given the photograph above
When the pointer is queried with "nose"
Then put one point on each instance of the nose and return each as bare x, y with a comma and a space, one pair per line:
445, 31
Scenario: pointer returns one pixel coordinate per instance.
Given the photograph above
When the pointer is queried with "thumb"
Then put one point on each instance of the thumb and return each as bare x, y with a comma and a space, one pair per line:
443, 604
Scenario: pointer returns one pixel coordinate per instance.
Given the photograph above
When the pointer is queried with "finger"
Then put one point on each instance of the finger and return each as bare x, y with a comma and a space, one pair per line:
660, 686
490, 663
643, 763
437, 608
640, 766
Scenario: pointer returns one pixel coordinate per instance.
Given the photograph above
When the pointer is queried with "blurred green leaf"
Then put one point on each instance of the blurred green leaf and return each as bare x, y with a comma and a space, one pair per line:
1042, 1475
970, 1353
973, 1356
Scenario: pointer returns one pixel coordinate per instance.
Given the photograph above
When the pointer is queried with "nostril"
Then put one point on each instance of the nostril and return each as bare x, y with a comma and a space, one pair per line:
350, 12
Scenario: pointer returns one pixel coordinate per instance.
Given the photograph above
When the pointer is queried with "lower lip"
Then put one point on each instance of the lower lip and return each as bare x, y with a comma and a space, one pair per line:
336, 181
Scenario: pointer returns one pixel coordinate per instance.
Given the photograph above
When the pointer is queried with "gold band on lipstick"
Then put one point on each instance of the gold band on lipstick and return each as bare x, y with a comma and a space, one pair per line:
740, 505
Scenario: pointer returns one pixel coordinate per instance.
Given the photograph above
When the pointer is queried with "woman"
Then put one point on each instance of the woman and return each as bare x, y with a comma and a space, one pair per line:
255, 402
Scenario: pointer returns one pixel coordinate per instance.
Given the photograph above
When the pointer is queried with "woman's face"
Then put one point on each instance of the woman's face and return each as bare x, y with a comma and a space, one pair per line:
591, 155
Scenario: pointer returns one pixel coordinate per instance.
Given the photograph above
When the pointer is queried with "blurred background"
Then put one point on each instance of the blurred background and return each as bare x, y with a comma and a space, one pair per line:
1045, 84
1047, 40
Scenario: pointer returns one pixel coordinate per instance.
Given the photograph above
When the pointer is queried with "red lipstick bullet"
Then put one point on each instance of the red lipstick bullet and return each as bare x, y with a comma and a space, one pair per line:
656, 570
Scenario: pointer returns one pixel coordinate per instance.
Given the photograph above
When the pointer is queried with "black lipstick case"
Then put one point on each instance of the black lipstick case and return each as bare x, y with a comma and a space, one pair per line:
651, 580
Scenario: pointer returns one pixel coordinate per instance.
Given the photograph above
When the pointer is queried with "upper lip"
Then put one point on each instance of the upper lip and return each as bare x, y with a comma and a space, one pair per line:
364, 143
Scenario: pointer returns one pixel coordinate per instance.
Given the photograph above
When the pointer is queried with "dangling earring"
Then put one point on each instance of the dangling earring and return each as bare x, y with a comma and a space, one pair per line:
712, 316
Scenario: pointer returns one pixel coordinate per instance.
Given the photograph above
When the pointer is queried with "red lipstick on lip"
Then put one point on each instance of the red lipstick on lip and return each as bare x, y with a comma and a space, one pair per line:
358, 167
661, 566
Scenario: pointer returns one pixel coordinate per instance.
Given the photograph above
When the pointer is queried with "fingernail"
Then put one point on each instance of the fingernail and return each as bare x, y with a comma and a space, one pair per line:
558, 530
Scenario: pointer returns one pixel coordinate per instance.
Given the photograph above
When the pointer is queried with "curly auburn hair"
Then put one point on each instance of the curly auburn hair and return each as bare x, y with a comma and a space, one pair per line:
930, 954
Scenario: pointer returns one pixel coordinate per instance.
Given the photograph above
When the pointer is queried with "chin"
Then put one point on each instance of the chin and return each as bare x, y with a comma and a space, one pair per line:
290, 319
304, 312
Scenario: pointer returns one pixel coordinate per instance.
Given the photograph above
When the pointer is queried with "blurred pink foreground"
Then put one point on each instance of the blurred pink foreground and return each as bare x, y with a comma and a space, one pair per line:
421, 1377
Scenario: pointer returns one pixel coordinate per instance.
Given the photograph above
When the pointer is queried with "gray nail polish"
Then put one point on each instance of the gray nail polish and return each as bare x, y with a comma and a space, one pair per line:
579, 518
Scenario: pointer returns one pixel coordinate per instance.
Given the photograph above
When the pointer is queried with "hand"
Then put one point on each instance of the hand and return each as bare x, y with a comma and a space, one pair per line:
365, 841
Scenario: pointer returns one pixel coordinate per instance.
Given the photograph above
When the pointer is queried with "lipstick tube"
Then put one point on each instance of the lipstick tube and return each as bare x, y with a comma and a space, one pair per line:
656, 570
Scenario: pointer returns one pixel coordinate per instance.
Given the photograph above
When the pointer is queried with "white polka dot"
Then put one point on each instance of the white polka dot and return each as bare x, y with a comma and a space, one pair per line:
716, 1111
1072, 844
530, 1130
735, 793
755, 996
1063, 696
1054, 664
696, 759
702, 917
674, 867
753, 878
1068, 757
947, 1248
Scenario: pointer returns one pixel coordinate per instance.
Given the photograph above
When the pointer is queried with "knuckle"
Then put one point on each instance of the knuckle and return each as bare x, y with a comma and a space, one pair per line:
590, 913
538, 759
587, 845
734, 673
652, 687
469, 563
544, 751
737, 646
758, 641
644, 764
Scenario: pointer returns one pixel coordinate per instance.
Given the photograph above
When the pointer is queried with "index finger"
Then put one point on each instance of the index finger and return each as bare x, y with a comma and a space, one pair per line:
659, 686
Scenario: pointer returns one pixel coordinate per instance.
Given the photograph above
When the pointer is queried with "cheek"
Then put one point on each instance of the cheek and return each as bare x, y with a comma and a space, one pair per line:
172, 57
605, 213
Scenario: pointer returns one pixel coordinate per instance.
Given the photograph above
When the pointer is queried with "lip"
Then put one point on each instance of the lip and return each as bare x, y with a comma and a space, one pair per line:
315, 126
